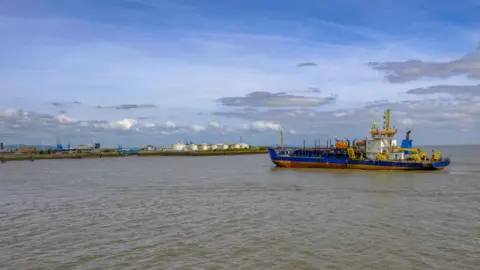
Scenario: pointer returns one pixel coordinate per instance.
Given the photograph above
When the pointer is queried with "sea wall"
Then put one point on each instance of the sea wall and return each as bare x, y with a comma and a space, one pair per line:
18, 157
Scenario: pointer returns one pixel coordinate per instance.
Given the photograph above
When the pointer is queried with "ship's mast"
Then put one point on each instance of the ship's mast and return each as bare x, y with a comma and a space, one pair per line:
387, 131
281, 138
387, 120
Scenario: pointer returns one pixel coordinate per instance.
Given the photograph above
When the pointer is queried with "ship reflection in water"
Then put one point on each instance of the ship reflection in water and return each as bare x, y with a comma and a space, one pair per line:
381, 152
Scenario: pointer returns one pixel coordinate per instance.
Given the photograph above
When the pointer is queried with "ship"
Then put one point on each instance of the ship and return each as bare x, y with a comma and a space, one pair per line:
380, 152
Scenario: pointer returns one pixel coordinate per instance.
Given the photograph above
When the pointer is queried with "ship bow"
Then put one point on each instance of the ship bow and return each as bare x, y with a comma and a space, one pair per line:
441, 164
272, 153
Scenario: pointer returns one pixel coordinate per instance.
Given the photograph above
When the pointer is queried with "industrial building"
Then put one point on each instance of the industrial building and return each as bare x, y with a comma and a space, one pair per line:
241, 146
27, 150
206, 147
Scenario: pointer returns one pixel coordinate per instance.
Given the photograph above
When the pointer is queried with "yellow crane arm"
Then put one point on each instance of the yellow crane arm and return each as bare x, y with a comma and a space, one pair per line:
415, 150
351, 153
382, 157
437, 155
417, 158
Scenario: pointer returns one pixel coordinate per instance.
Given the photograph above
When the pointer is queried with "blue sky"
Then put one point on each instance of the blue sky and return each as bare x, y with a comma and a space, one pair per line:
144, 71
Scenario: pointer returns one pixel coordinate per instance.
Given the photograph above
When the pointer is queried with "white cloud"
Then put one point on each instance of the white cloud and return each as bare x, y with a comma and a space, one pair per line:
149, 125
406, 121
170, 124
13, 113
24, 121
263, 126
198, 128
124, 124
214, 124
65, 119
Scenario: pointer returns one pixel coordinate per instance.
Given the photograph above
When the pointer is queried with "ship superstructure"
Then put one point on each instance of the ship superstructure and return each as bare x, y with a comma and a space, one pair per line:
379, 152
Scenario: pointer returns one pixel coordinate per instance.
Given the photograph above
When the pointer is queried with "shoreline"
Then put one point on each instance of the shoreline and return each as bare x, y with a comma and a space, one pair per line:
33, 157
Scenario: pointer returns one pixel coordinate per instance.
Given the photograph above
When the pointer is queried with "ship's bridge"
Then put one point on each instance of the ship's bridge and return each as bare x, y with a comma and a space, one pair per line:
382, 139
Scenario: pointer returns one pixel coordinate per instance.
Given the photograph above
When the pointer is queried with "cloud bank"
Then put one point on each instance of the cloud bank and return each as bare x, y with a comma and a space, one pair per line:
410, 70
321, 75
129, 106
457, 91
267, 99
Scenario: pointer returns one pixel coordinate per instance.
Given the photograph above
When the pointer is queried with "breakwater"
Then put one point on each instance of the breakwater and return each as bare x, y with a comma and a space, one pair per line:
19, 157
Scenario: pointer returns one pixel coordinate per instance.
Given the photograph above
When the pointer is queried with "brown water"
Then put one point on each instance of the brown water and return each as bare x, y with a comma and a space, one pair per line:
236, 212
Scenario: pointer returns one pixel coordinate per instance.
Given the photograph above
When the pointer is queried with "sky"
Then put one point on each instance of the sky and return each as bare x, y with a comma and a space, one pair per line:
137, 72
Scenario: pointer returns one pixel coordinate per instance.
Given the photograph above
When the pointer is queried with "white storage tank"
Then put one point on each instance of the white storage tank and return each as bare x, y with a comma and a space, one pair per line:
178, 147
192, 147
203, 147
221, 146
243, 146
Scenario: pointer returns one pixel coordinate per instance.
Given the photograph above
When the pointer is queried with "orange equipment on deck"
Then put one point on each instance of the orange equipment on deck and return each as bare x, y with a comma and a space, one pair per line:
341, 145
383, 132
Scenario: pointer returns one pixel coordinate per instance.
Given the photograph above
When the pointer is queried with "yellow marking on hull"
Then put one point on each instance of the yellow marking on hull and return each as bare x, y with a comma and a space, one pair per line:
289, 164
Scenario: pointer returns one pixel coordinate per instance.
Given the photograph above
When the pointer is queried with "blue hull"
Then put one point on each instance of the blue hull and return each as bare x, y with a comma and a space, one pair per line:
347, 163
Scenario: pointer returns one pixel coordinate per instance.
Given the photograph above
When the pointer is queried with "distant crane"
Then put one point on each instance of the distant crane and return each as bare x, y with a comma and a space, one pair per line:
59, 144
130, 150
